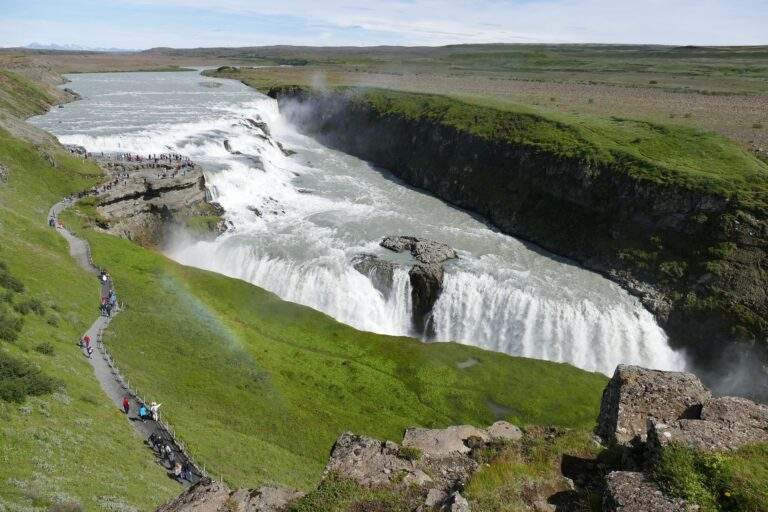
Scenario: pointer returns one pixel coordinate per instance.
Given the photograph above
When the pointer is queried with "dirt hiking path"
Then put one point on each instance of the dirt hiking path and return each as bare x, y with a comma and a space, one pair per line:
155, 434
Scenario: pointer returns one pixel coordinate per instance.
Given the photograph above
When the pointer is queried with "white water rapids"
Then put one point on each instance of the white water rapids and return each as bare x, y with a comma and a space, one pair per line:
299, 222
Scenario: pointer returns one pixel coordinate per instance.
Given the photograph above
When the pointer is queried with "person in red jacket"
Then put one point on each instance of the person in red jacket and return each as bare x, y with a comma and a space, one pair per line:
126, 404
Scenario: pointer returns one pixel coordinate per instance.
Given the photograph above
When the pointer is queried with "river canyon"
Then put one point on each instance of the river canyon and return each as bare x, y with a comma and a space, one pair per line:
300, 213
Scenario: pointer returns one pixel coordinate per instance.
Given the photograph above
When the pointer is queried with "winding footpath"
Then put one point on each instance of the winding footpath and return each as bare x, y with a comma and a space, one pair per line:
107, 374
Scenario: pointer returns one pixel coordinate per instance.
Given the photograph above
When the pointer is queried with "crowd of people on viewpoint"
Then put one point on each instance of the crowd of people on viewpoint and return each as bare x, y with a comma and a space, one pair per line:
169, 165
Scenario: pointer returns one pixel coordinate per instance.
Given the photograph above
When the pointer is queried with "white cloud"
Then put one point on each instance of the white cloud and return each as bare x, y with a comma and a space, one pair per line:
408, 22
600, 21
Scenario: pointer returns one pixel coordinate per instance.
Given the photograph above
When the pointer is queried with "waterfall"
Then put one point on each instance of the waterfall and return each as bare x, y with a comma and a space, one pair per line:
498, 315
300, 217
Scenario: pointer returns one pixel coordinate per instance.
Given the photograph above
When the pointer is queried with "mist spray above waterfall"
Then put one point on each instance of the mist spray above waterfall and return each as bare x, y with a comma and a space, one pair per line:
302, 213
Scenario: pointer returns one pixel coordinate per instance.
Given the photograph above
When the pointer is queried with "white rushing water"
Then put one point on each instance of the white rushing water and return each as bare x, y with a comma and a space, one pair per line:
300, 220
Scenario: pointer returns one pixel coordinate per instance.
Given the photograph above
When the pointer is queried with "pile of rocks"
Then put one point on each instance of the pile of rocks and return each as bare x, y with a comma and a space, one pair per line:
436, 462
647, 411
431, 465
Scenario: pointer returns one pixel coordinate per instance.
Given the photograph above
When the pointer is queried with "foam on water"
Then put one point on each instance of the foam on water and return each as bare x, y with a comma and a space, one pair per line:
300, 220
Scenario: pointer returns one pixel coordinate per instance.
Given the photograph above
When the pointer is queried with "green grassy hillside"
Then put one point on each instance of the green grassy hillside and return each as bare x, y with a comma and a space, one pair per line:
260, 388
21, 97
72, 444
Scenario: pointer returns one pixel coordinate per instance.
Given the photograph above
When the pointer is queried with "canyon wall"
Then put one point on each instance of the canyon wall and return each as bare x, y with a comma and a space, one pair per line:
697, 260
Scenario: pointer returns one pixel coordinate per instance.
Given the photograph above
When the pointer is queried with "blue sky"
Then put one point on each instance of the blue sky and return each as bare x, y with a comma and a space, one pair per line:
189, 23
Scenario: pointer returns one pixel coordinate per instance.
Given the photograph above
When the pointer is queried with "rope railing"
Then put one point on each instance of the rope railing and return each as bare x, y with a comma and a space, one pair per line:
168, 431
165, 429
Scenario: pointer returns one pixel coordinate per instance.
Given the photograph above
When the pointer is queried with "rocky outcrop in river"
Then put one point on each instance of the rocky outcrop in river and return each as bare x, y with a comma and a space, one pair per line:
694, 258
425, 275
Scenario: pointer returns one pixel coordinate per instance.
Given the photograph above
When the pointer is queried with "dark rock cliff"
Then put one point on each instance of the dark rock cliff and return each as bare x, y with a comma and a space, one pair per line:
697, 261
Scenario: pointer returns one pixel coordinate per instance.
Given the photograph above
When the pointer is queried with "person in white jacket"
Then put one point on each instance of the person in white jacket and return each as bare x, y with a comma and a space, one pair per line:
153, 410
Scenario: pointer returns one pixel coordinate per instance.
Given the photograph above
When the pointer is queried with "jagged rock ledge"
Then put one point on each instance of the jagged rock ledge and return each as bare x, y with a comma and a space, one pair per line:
147, 197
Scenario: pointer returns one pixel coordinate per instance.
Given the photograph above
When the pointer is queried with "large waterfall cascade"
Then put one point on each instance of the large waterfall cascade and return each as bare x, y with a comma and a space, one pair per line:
299, 219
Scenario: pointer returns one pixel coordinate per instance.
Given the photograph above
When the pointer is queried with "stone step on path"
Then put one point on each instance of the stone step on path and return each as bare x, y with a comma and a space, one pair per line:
106, 373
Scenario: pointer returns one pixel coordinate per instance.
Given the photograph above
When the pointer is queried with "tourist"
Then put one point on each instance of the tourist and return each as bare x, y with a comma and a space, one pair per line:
185, 471
126, 405
153, 409
143, 412
177, 472
169, 454
156, 442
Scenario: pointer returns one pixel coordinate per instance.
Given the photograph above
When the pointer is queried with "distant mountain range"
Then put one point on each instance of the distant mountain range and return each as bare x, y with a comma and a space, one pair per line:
73, 48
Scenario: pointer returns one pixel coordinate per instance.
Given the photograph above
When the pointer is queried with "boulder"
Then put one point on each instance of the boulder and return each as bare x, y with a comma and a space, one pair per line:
736, 412
380, 272
216, 208
76, 150
284, 150
627, 491
458, 503
701, 435
210, 496
426, 276
634, 395
398, 243
74, 95
270, 498
261, 125
366, 460
504, 431
205, 496
435, 498
445, 442
426, 285
429, 251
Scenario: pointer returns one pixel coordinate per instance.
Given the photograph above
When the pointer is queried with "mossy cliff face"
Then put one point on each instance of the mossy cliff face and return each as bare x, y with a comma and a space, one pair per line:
696, 258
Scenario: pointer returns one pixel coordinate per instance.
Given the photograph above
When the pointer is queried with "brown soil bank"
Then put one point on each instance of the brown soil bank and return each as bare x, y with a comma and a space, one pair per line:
691, 245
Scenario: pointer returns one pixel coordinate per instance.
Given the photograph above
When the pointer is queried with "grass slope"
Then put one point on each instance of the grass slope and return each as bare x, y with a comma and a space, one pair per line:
260, 388
21, 97
718, 481
72, 444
